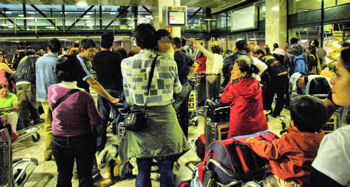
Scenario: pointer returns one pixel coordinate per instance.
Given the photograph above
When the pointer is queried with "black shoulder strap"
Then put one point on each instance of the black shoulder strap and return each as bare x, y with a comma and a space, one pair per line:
151, 74
64, 98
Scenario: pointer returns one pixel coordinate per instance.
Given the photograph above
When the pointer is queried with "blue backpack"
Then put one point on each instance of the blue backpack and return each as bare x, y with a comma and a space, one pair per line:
299, 64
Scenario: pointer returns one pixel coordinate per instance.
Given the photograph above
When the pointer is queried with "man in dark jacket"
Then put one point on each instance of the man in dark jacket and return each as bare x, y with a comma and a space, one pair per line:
25, 85
278, 77
242, 51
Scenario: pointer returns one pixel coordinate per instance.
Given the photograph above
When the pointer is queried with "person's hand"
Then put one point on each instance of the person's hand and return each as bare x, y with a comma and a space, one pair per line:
115, 100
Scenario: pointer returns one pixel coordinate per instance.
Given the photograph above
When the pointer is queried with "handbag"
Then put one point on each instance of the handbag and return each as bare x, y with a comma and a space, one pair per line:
135, 119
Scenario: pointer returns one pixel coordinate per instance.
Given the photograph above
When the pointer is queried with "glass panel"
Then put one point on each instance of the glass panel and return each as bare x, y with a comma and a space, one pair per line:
329, 3
340, 2
298, 6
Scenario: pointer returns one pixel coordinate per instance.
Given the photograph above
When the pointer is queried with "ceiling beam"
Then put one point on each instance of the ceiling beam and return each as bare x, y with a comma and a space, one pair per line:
49, 20
194, 13
120, 13
144, 7
76, 21
10, 20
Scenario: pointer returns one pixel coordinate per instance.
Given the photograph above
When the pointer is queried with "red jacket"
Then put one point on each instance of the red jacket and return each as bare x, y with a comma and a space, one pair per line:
246, 112
291, 156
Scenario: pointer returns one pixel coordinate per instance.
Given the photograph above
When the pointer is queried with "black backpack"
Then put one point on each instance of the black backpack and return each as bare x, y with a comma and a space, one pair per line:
26, 69
275, 67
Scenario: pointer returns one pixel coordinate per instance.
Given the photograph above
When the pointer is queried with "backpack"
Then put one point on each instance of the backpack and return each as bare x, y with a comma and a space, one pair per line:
299, 64
275, 67
26, 69
315, 68
229, 160
318, 86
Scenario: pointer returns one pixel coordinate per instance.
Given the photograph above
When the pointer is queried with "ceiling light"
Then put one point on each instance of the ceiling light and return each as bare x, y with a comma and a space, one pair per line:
82, 3
21, 15
264, 9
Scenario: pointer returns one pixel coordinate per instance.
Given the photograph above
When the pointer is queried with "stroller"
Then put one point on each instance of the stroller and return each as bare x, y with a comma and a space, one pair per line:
319, 86
13, 171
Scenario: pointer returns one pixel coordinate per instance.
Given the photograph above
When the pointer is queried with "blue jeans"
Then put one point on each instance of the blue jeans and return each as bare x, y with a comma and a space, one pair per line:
167, 178
104, 108
66, 150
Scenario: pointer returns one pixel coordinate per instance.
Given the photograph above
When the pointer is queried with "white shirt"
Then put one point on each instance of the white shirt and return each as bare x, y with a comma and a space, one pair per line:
218, 63
333, 156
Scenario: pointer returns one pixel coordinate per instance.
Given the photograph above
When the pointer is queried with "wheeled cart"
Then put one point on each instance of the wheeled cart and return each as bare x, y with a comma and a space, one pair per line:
13, 171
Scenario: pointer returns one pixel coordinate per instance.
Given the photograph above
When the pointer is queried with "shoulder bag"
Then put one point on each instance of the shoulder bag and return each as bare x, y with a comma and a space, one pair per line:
135, 119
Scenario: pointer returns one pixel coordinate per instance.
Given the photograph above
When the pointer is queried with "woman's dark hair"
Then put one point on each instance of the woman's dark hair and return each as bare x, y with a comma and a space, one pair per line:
67, 68
245, 66
87, 43
54, 45
145, 36
183, 42
312, 50
4, 85
345, 57
162, 33
275, 45
293, 41
107, 40
242, 45
308, 113
216, 49
177, 42
122, 52
316, 43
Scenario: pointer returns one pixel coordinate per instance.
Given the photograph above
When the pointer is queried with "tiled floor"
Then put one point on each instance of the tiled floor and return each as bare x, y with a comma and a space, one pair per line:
46, 173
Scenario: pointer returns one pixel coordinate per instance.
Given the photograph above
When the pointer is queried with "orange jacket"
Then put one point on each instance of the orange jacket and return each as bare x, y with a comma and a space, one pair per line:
291, 156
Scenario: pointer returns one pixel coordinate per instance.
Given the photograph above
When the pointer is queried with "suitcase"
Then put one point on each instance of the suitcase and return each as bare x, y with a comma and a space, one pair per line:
217, 121
217, 111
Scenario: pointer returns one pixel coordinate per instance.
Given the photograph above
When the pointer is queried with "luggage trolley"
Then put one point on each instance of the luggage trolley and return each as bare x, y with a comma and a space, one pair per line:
21, 167
193, 101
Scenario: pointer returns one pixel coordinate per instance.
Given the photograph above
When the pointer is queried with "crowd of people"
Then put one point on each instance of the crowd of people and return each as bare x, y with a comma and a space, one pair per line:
247, 80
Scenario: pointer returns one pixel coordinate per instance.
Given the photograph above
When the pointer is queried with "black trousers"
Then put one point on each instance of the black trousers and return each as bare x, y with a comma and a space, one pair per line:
182, 113
65, 150
279, 86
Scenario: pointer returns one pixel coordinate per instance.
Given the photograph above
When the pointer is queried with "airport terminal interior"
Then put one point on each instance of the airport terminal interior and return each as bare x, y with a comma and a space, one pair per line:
227, 93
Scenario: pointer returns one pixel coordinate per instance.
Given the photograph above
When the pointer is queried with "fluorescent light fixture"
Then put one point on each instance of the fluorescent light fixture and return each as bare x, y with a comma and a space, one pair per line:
113, 13
21, 15
82, 3
4, 25
264, 8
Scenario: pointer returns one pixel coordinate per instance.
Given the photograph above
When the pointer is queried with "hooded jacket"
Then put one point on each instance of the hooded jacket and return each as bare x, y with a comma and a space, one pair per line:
247, 111
294, 50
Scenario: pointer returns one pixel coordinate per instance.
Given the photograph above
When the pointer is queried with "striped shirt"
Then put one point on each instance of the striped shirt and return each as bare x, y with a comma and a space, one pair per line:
135, 71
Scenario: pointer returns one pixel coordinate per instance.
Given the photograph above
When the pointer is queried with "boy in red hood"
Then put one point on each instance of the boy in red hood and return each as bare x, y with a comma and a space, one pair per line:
291, 156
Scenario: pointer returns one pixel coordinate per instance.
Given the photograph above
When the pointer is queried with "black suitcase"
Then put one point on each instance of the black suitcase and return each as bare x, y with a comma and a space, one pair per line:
217, 112
217, 121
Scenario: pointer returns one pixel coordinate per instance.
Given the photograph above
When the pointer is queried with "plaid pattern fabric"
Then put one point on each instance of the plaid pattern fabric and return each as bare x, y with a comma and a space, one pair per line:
135, 71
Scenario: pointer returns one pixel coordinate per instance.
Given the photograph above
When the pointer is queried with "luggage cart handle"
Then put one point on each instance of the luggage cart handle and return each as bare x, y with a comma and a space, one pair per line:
223, 169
